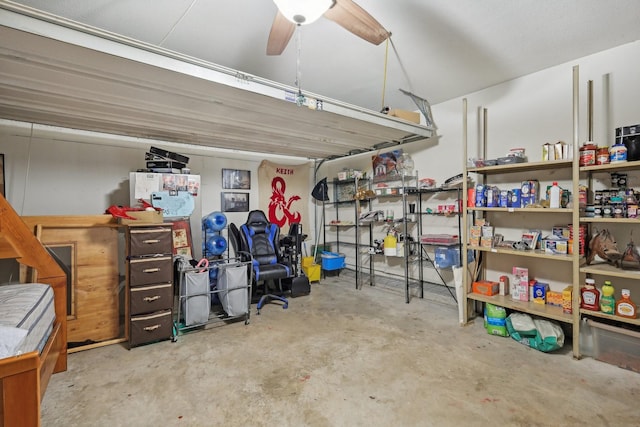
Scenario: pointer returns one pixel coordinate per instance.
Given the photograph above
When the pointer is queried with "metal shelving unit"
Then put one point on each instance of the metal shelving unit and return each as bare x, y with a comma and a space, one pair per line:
424, 257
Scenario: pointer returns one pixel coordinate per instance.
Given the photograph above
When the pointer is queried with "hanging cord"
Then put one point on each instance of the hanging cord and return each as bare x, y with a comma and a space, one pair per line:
26, 172
404, 71
300, 98
173, 27
384, 79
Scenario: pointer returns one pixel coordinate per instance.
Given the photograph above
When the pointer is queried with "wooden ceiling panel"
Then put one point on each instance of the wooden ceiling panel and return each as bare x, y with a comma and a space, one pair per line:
47, 81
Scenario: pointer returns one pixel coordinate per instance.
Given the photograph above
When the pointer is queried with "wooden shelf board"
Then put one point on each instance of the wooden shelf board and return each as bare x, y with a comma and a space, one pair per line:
612, 220
512, 210
543, 310
534, 254
611, 166
610, 317
610, 270
522, 167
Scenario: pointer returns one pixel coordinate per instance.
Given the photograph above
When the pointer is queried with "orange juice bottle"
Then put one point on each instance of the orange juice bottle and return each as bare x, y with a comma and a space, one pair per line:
625, 307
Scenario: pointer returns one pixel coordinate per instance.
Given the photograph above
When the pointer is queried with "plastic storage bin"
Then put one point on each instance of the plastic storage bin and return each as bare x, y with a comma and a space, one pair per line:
447, 257
332, 261
611, 344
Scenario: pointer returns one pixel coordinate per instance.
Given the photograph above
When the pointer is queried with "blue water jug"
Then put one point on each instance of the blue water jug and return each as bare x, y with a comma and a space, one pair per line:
215, 221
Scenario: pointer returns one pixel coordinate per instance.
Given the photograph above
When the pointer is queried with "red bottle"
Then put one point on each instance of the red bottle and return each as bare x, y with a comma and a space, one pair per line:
590, 296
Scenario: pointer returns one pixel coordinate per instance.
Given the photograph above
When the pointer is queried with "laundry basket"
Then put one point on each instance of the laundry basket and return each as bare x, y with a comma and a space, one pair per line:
232, 287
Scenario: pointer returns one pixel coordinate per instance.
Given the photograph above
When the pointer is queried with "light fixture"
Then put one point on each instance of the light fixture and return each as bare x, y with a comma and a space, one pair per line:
303, 12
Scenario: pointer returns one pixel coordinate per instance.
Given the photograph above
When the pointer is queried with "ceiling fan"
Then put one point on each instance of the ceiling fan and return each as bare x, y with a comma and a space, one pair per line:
345, 13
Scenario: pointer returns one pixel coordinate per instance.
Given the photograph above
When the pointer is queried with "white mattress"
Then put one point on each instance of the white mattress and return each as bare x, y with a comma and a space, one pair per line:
27, 314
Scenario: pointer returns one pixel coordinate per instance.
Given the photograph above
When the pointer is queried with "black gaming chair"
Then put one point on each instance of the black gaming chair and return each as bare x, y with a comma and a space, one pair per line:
261, 240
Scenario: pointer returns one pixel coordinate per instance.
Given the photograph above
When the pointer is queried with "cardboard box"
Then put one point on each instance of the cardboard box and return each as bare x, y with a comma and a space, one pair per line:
485, 287
520, 284
566, 300
143, 217
486, 241
554, 247
540, 292
554, 298
409, 116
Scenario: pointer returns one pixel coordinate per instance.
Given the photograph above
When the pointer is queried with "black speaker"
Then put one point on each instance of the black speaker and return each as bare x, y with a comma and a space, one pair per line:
630, 137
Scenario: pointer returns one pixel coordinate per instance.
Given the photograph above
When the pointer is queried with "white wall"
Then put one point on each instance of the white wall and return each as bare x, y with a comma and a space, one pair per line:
525, 112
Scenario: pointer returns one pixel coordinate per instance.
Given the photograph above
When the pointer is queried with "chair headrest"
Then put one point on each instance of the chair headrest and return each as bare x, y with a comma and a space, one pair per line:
257, 217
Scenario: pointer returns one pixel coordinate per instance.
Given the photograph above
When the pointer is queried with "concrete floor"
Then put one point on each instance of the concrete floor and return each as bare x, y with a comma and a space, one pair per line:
341, 357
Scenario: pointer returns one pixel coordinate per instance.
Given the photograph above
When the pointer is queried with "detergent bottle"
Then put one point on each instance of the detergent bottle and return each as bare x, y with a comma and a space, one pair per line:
607, 301
390, 245
555, 195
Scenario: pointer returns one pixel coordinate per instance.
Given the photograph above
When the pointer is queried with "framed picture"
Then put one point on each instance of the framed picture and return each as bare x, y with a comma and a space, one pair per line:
235, 202
385, 164
2, 175
182, 238
234, 179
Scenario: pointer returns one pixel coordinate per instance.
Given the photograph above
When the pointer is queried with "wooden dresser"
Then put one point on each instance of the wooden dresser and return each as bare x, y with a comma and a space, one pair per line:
149, 283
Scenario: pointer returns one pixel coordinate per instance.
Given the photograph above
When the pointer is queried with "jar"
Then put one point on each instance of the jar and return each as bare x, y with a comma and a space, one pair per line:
597, 211
631, 201
602, 156
618, 210
618, 153
588, 154
597, 197
607, 211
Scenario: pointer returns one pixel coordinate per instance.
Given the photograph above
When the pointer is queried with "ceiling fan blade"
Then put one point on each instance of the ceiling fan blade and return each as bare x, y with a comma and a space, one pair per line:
281, 32
355, 19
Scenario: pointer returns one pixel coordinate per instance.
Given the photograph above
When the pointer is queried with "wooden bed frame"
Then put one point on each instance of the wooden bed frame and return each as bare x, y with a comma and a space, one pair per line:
24, 378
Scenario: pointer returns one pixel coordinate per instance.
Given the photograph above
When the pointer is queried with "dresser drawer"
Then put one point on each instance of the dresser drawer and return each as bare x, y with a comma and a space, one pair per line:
151, 327
146, 299
147, 271
150, 240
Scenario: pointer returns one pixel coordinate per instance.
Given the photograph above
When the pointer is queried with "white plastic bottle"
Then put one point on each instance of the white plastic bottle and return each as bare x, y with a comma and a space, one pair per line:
555, 193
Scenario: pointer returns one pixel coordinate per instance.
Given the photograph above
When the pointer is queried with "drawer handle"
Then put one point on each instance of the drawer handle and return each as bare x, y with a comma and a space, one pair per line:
151, 241
151, 299
151, 270
151, 328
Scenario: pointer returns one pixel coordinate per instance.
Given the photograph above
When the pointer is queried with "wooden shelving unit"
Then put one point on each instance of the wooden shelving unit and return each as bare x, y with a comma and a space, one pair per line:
576, 263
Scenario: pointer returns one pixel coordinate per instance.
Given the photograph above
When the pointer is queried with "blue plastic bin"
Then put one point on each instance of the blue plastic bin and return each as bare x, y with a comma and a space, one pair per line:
332, 261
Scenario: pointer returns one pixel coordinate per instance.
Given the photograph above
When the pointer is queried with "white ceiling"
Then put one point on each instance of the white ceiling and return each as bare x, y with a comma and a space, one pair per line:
447, 48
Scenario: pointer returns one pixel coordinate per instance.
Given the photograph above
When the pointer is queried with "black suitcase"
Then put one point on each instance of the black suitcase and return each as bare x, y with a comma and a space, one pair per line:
298, 285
